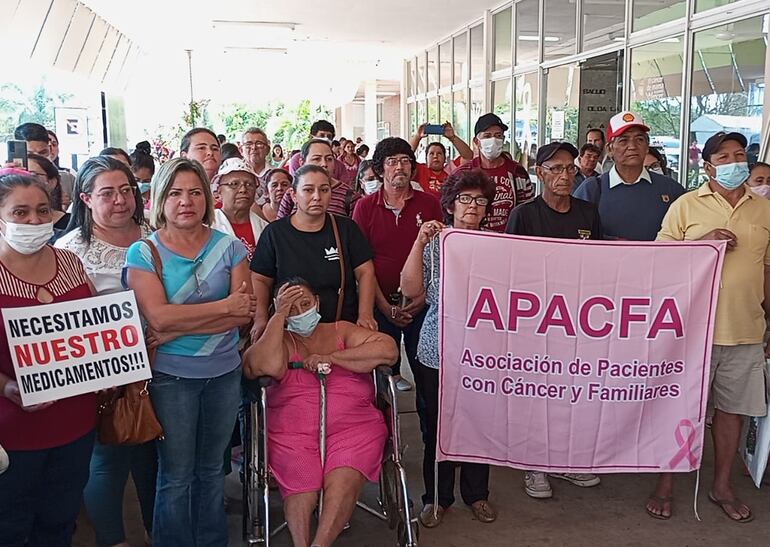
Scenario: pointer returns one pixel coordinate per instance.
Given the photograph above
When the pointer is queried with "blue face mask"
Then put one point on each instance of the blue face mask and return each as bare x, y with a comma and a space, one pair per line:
144, 187
305, 323
732, 175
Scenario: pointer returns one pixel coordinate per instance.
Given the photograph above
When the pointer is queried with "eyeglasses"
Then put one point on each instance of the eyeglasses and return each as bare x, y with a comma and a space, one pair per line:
110, 194
392, 162
248, 145
559, 169
236, 185
466, 199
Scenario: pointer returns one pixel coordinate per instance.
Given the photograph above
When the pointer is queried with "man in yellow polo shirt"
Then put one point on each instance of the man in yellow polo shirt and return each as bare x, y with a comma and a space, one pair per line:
724, 208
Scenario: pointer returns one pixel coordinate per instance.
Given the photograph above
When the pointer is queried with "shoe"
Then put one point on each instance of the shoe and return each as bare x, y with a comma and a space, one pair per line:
4, 460
428, 519
536, 485
484, 512
584, 480
403, 385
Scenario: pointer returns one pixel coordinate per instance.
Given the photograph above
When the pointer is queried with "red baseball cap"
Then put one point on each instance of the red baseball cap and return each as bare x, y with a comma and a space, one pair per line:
622, 121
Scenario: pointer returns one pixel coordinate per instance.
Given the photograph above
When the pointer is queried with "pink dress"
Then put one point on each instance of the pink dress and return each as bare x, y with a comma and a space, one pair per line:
355, 428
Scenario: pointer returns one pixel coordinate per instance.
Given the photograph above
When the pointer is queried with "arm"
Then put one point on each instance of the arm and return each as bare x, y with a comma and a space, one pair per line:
263, 288
415, 139
463, 149
268, 356
766, 302
412, 278
366, 290
364, 351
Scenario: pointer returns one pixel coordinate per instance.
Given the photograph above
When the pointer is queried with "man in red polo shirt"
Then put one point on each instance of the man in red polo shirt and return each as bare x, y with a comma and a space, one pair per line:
512, 182
390, 219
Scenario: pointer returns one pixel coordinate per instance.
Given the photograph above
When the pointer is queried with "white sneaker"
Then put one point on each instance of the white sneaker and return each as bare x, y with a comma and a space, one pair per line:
403, 385
536, 485
584, 480
4, 461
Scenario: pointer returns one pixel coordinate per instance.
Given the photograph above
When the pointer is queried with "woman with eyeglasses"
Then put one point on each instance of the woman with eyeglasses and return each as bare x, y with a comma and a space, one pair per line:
236, 183
465, 199
107, 218
195, 297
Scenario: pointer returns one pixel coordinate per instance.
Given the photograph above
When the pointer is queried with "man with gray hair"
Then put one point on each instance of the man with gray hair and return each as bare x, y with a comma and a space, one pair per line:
255, 147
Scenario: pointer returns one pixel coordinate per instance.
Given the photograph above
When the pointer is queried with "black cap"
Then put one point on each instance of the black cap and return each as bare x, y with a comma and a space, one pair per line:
486, 121
716, 140
546, 152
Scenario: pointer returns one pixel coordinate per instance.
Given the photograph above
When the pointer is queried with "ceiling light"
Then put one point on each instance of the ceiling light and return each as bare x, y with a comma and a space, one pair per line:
246, 49
530, 38
263, 24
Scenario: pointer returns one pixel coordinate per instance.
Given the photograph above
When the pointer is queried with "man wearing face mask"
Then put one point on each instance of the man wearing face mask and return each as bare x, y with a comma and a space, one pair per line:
512, 183
631, 200
724, 209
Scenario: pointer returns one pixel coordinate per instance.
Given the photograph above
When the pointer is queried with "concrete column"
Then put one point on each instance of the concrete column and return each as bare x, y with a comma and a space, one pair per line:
370, 113
345, 127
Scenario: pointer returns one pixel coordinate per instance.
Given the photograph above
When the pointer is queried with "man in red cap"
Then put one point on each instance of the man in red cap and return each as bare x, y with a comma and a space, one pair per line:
632, 201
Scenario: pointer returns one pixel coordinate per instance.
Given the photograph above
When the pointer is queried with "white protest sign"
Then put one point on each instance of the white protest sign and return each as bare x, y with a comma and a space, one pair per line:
70, 348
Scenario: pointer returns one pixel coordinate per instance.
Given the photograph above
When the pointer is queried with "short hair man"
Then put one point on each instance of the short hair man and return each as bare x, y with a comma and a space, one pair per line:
632, 201
597, 137
36, 137
321, 129
432, 174
512, 182
390, 219
738, 353
201, 144
586, 163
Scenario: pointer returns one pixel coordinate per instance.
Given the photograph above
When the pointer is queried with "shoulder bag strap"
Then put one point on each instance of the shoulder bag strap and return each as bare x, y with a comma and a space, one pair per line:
341, 291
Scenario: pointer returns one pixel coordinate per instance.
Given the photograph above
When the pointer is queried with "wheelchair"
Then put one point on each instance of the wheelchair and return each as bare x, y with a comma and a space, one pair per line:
395, 506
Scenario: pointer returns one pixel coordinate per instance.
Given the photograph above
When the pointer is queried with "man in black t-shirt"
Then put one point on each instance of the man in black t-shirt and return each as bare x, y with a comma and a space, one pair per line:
555, 214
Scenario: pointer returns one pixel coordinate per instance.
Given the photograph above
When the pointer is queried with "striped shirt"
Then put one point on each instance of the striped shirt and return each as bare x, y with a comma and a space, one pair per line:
341, 202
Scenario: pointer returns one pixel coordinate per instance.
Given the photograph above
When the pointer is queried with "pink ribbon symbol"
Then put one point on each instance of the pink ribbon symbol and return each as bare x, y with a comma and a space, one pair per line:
685, 445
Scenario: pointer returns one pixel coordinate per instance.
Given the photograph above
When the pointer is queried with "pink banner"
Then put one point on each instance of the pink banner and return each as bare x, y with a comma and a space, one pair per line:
575, 356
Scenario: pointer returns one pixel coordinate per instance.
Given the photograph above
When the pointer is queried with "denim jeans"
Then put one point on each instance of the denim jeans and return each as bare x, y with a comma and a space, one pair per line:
103, 496
41, 492
198, 416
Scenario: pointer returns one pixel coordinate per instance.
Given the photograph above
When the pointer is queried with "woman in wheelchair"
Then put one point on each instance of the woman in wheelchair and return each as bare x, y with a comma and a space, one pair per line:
293, 350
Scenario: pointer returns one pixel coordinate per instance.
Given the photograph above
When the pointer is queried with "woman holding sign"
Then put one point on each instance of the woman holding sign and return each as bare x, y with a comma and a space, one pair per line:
49, 445
465, 197
192, 286
107, 217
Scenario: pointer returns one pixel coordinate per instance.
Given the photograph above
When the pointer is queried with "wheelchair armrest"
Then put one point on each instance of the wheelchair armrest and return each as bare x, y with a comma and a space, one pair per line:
255, 385
385, 370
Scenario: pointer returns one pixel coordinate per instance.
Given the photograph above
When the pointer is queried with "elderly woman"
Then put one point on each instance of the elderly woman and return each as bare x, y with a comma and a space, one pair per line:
278, 182
107, 218
195, 297
49, 444
465, 197
304, 244
355, 429
236, 183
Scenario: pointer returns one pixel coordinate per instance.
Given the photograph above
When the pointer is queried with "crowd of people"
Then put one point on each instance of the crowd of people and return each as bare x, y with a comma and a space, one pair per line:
249, 261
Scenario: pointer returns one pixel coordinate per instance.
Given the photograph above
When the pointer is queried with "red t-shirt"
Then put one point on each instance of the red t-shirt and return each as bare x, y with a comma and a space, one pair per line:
68, 419
430, 181
512, 187
391, 237
245, 233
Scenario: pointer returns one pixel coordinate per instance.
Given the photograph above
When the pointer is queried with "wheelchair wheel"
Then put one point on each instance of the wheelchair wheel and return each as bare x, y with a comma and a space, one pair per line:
390, 492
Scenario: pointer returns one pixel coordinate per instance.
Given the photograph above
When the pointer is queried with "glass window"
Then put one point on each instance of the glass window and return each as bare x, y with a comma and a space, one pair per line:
421, 73
461, 58
410, 76
445, 63
601, 92
501, 104
445, 108
503, 53
563, 102
527, 93
433, 110
411, 113
477, 52
433, 68
527, 31
460, 114
656, 86
421, 114
477, 106
728, 87
650, 14
603, 23
559, 29
703, 5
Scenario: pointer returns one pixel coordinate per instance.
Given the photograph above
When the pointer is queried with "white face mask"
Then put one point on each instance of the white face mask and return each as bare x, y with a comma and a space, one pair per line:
491, 148
371, 186
658, 170
27, 239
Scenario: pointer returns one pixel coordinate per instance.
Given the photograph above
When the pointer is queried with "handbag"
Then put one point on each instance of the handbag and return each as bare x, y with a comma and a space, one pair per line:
341, 290
126, 416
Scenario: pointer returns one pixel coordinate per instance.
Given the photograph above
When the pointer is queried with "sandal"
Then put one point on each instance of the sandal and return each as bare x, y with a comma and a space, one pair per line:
732, 504
659, 501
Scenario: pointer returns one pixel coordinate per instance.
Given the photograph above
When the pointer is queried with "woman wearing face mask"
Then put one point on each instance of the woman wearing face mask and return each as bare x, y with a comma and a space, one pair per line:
355, 429
366, 182
278, 182
47, 173
655, 162
465, 198
143, 168
49, 445
107, 218
512, 183
304, 244
194, 311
